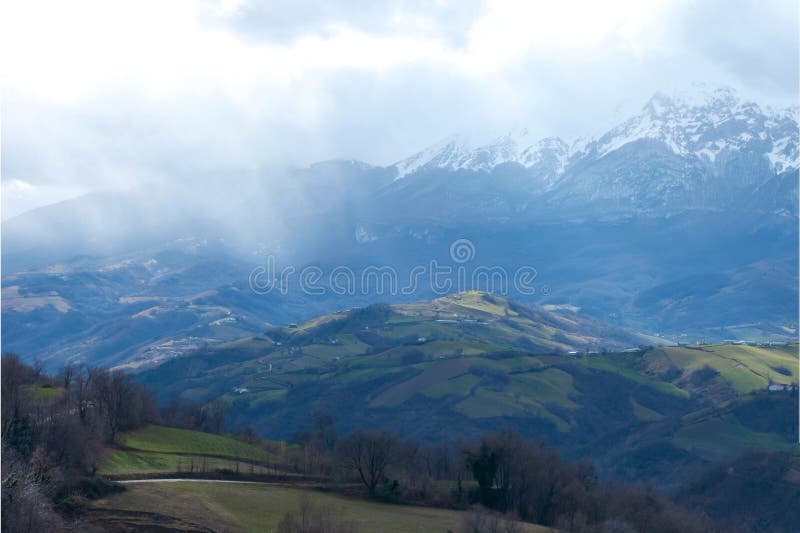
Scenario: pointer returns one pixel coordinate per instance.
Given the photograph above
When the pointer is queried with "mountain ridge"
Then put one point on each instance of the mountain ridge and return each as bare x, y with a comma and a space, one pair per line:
624, 234
662, 112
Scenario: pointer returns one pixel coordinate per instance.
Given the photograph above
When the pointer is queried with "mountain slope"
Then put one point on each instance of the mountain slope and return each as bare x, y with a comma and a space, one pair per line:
704, 149
457, 366
627, 226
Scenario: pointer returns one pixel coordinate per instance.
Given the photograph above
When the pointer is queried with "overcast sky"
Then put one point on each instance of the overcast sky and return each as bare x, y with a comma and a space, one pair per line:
104, 94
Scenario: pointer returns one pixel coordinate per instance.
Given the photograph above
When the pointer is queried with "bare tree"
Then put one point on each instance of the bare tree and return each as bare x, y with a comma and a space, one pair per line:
66, 374
38, 369
369, 454
313, 518
83, 383
213, 416
121, 403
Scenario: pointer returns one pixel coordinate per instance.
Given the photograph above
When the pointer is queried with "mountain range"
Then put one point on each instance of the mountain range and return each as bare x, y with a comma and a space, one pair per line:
679, 221
710, 151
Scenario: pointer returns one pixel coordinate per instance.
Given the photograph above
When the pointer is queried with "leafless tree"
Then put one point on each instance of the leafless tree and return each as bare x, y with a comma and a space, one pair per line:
66, 374
314, 518
369, 454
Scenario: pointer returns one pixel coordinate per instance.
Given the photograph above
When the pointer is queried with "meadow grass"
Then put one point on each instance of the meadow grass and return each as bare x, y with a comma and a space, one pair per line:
607, 364
745, 368
725, 437
121, 462
172, 440
260, 507
43, 394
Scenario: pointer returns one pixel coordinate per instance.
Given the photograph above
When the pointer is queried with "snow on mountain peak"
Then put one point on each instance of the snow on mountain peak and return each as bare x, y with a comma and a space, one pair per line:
701, 121
704, 122
519, 146
441, 154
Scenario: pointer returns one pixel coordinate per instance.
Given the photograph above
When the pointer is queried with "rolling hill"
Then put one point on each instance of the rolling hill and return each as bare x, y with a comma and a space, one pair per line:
681, 219
457, 366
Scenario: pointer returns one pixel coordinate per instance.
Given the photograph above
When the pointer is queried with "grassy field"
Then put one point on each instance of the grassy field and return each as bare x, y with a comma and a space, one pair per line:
183, 441
259, 508
126, 463
477, 359
745, 368
723, 437
618, 365
45, 395
436, 373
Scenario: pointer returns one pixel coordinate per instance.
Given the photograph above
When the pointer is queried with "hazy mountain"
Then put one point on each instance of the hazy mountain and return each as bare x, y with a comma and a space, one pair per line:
680, 220
704, 150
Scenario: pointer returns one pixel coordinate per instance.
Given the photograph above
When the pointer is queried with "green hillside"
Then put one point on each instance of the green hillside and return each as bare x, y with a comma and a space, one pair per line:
260, 507
460, 365
173, 440
158, 449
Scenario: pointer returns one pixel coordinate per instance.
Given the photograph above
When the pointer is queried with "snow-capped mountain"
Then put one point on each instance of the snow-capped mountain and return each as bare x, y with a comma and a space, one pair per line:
705, 148
707, 125
683, 217
702, 124
550, 154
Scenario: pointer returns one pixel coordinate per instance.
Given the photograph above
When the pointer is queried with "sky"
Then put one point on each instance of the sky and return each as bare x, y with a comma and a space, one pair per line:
106, 95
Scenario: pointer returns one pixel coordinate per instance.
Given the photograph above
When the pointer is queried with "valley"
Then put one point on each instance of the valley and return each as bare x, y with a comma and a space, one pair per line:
461, 365
404, 267
679, 221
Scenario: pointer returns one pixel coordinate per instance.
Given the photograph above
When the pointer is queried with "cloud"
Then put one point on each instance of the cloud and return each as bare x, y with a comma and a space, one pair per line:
20, 196
755, 42
283, 22
104, 95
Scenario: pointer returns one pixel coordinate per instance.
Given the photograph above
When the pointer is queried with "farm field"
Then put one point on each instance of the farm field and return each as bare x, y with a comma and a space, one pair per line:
467, 363
260, 507
126, 464
183, 441
163, 450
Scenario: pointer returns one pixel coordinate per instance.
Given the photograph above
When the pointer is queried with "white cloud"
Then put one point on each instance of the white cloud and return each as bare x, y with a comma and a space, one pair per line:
20, 196
103, 94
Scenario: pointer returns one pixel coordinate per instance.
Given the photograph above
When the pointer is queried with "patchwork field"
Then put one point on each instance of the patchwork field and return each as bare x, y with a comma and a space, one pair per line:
467, 363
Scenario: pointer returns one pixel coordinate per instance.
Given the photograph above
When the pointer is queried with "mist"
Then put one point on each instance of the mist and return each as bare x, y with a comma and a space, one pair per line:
202, 96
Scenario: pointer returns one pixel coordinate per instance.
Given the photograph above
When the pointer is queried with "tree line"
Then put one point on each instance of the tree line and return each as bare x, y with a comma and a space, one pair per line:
56, 428
54, 432
502, 473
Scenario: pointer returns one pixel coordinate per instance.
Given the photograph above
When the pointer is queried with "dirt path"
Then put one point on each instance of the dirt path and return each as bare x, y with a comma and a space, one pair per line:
181, 480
